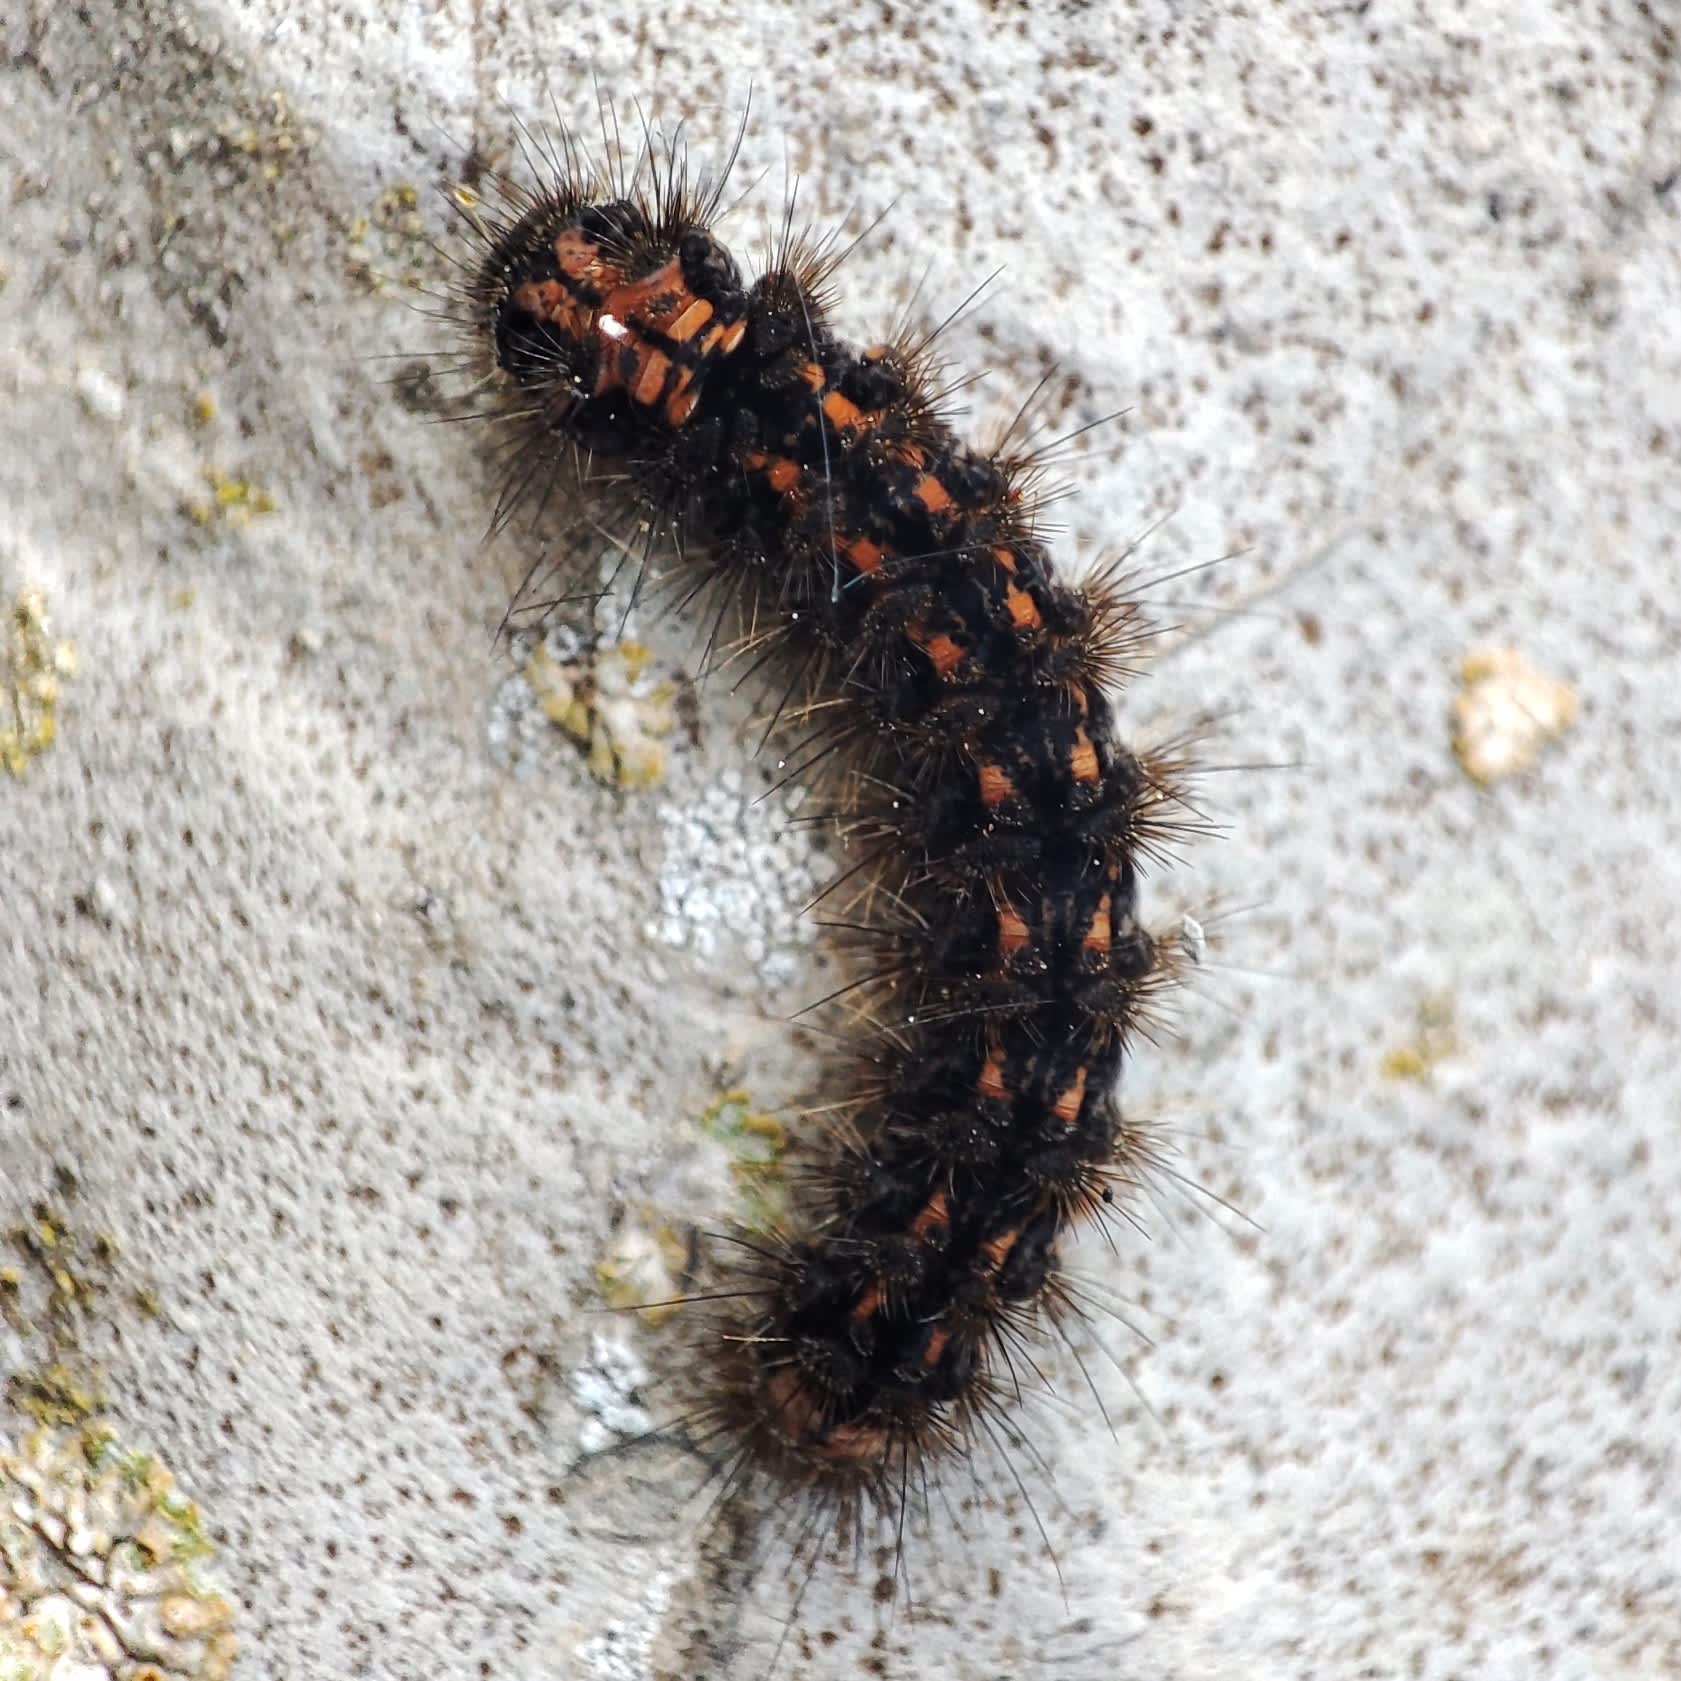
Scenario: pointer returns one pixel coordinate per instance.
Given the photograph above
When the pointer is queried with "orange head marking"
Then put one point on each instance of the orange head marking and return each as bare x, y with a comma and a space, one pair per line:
690, 322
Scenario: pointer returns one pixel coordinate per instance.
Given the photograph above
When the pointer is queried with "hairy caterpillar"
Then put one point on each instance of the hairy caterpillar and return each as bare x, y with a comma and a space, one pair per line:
955, 699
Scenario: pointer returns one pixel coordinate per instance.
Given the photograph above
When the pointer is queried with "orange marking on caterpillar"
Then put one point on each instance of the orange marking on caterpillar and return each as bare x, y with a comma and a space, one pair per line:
690, 321
933, 1213
800, 1421
1082, 762
781, 474
991, 1081
996, 786
650, 381
1100, 931
933, 495
864, 1309
1067, 1105
937, 1340
1012, 933
621, 314
997, 1249
845, 415
1023, 609
549, 302
943, 653
864, 554
656, 300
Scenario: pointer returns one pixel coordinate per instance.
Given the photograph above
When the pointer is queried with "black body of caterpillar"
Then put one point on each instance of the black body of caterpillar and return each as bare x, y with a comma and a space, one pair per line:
1001, 819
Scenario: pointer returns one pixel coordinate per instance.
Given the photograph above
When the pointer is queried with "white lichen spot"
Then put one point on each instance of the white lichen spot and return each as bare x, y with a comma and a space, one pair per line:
737, 870
605, 1389
102, 1566
32, 667
101, 395
624, 1649
1505, 713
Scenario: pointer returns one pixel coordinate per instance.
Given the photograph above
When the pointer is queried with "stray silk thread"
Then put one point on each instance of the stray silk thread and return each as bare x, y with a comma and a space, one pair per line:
952, 699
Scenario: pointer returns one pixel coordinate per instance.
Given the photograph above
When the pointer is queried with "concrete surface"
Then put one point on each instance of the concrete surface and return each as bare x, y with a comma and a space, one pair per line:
362, 1035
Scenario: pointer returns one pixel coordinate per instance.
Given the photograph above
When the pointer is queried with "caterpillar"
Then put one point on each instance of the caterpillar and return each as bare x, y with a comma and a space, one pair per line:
956, 701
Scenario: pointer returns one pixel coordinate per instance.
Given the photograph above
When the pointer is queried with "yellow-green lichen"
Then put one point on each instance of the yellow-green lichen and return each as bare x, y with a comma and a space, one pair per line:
76, 1268
756, 1141
234, 501
101, 1566
11, 1298
56, 1394
270, 142
389, 244
1434, 1040
33, 668
643, 1267
613, 704
65, 1276
100, 1553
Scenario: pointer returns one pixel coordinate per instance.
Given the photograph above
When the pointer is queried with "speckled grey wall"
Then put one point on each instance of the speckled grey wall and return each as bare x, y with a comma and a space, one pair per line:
365, 1015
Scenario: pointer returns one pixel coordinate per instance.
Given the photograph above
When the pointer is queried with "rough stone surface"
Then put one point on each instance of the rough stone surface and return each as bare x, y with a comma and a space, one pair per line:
363, 1044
